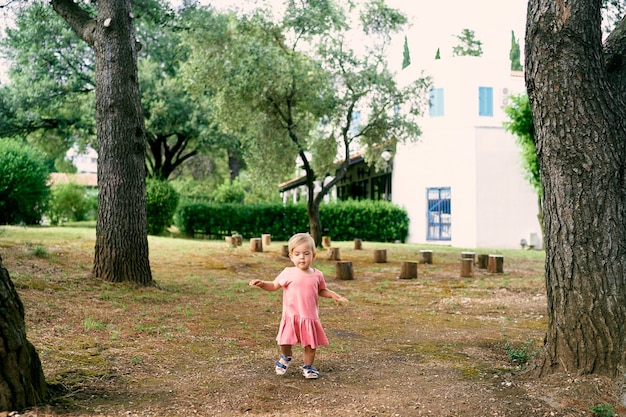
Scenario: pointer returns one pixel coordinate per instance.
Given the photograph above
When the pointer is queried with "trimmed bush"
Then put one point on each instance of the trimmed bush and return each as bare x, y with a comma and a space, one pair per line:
23, 189
70, 202
367, 220
161, 203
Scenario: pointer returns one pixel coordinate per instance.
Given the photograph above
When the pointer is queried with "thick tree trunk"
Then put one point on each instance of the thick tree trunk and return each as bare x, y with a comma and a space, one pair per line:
121, 252
579, 116
22, 381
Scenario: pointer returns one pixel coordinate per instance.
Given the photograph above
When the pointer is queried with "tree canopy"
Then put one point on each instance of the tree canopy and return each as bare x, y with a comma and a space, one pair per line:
51, 94
299, 88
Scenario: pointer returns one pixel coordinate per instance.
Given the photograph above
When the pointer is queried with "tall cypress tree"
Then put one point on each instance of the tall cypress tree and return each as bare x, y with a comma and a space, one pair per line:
406, 57
515, 53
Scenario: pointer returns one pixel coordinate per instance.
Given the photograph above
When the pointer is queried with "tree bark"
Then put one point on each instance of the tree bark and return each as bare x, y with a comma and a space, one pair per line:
579, 112
22, 382
121, 252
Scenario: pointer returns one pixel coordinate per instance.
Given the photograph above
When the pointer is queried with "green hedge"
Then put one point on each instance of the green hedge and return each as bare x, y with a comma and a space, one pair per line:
367, 220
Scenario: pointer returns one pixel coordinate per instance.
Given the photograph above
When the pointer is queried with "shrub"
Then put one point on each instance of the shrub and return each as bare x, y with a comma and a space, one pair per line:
161, 203
368, 220
229, 193
70, 202
23, 189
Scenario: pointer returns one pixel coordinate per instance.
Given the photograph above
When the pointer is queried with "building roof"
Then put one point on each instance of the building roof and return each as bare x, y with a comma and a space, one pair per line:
89, 180
296, 182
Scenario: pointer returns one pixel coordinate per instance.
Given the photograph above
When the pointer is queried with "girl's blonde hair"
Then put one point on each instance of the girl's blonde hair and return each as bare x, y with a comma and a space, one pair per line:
300, 238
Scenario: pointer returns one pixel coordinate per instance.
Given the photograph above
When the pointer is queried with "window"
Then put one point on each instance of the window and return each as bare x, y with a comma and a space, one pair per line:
485, 101
439, 213
436, 102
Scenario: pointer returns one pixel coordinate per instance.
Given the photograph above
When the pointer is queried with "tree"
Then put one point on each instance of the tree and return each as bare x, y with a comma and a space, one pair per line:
576, 87
23, 189
22, 382
406, 56
468, 44
121, 252
438, 54
521, 125
515, 54
300, 89
50, 98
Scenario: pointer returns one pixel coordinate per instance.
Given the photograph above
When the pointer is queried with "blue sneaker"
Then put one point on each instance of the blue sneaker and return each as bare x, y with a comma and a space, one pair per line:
310, 372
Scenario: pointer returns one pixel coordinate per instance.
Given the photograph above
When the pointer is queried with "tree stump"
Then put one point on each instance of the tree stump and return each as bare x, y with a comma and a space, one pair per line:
22, 382
469, 255
267, 239
466, 267
358, 244
496, 264
230, 242
284, 251
426, 256
408, 270
344, 270
238, 239
334, 254
380, 256
256, 245
483, 261
326, 241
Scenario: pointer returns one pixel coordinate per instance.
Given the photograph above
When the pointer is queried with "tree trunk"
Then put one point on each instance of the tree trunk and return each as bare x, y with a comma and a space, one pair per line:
315, 224
121, 252
579, 113
22, 382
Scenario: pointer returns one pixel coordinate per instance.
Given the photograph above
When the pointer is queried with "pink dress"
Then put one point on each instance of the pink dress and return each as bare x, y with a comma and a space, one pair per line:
300, 321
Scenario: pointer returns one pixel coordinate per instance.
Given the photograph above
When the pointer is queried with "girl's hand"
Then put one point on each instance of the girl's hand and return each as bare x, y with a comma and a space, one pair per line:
340, 299
256, 283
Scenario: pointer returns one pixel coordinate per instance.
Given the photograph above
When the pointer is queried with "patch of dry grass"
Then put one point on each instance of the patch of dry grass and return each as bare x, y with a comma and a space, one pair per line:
202, 341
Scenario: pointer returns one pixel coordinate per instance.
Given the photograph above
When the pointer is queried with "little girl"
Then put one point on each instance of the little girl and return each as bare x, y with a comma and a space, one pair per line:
300, 322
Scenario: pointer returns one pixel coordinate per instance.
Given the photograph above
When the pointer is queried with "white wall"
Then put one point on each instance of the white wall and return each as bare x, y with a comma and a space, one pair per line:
493, 206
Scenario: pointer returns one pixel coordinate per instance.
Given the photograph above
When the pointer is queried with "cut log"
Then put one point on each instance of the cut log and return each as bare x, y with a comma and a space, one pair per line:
466, 267
358, 244
284, 251
483, 261
334, 254
326, 241
408, 270
469, 255
380, 256
238, 239
231, 242
426, 256
256, 245
267, 239
496, 264
344, 270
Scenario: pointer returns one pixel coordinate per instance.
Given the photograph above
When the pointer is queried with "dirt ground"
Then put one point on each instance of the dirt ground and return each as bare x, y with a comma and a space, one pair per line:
201, 343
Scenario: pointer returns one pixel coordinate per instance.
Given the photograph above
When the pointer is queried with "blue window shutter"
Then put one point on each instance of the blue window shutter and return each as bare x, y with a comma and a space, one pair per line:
436, 102
485, 101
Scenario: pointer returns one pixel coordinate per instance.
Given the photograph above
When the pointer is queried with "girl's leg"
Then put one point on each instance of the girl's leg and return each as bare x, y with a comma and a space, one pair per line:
309, 355
285, 358
285, 350
308, 370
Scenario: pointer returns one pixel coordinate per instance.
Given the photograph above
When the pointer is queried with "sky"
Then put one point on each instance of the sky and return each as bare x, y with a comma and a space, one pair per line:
435, 24
432, 24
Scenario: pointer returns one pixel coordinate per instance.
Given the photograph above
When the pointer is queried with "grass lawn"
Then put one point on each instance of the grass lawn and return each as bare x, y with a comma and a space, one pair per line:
201, 342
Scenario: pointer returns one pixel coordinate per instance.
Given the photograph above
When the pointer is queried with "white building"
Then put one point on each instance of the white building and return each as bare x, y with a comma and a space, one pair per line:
86, 162
462, 184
